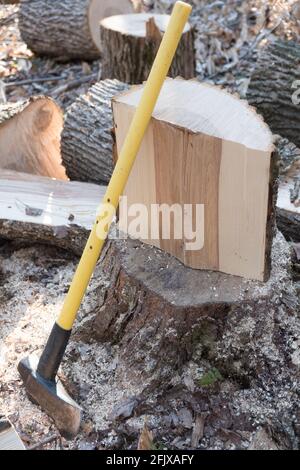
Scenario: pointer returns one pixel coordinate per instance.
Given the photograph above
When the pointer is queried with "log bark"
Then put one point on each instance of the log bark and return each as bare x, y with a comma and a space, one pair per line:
130, 44
162, 314
288, 202
274, 88
87, 143
30, 133
39, 209
68, 29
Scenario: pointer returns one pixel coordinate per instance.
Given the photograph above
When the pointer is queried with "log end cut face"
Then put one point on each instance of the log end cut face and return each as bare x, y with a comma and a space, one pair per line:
210, 153
136, 24
100, 9
30, 134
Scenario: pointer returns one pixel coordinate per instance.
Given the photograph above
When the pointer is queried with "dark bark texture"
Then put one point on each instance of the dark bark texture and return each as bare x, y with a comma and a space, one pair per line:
129, 58
159, 312
274, 89
87, 143
58, 28
288, 217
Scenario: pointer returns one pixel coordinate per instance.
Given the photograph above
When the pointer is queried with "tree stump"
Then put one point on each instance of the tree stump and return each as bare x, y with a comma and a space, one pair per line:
162, 314
68, 29
130, 44
30, 133
203, 186
275, 88
87, 143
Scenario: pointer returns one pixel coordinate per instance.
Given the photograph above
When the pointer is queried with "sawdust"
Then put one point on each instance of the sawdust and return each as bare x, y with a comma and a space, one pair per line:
37, 279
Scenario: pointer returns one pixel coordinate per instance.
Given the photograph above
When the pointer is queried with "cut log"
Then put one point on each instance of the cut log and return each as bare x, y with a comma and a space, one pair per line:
30, 133
288, 203
87, 143
162, 314
210, 155
40, 209
68, 29
274, 88
130, 44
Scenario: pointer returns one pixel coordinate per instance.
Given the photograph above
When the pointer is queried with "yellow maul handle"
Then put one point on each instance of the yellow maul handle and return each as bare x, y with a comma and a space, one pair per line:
160, 68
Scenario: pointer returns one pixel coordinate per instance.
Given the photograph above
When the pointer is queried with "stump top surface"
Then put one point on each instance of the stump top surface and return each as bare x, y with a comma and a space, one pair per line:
202, 108
184, 287
135, 24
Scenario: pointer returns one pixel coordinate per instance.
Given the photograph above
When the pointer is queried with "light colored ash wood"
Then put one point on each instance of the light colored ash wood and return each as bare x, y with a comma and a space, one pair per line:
39, 209
69, 28
87, 142
141, 169
130, 43
30, 133
210, 148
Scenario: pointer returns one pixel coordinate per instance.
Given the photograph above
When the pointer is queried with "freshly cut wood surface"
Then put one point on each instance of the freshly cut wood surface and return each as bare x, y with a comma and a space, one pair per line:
207, 147
69, 28
39, 209
87, 142
130, 43
30, 133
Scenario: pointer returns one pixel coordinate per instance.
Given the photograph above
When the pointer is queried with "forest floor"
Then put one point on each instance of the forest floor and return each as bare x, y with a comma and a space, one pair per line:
35, 278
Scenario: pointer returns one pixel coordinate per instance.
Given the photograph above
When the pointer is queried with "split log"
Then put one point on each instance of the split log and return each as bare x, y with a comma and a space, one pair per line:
208, 149
87, 143
30, 133
130, 44
288, 203
274, 88
68, 29
162, 314
39, 209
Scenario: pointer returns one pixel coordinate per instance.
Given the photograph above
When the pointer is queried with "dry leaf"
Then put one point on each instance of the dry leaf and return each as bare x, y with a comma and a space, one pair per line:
146, 439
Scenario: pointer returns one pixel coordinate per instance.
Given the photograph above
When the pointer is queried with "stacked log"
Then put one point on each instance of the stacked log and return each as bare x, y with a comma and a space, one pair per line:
87, 142
68, 29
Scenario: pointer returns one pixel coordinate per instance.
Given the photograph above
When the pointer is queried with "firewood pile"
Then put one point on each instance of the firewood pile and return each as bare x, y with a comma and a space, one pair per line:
163, 356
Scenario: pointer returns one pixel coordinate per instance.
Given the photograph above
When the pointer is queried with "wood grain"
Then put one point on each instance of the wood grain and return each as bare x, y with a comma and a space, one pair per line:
205, 147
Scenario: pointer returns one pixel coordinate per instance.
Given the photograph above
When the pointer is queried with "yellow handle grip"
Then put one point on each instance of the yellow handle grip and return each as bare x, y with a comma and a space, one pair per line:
160, 68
